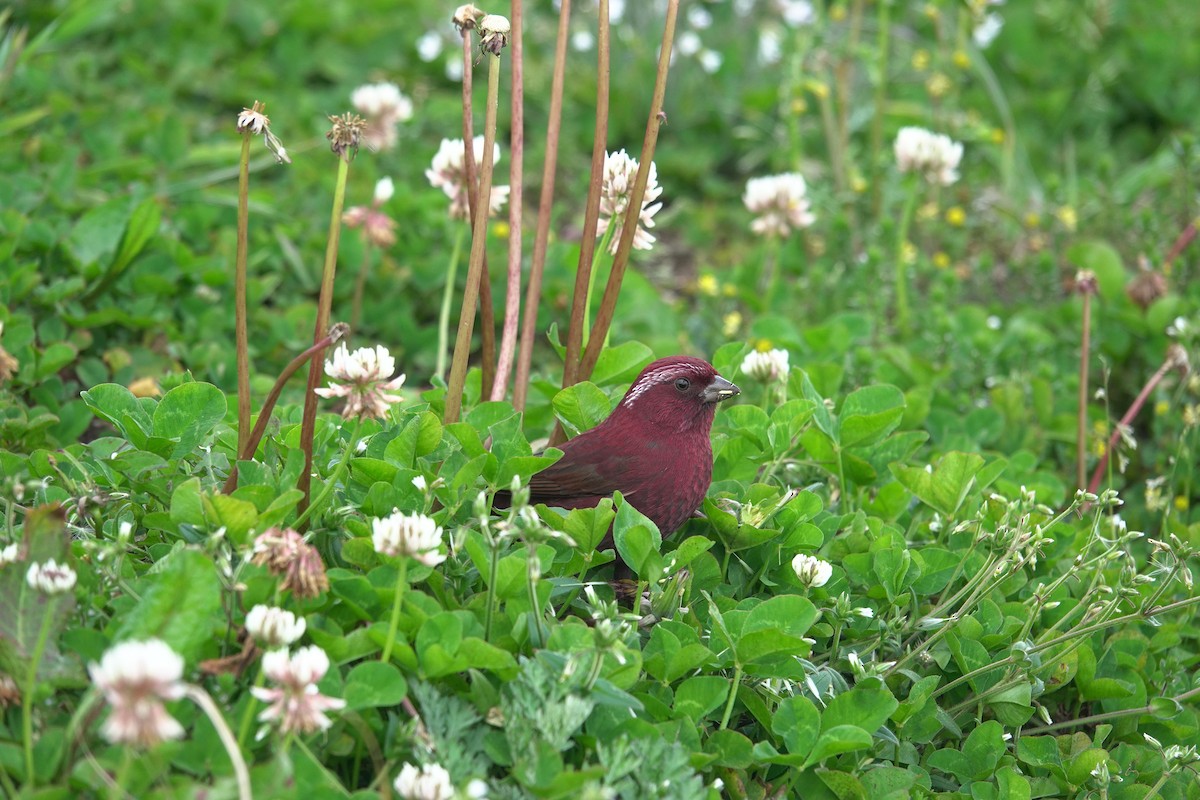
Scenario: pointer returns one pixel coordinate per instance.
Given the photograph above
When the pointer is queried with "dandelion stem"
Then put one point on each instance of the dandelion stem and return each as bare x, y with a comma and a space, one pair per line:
1081, 412
608, 304
338, 331
35, 659
397, 602
533, 290
516, 179
239, 305
471, 294
324, 304
241, 774
591, 215
901, 262
447, 299
1139, 401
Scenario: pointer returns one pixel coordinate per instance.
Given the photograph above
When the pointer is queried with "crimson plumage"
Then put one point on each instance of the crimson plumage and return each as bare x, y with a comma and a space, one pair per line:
654, 448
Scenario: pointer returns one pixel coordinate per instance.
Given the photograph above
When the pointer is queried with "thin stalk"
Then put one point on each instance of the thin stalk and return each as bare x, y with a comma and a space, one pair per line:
883, 40
591, 215
901, 264
487, 321
241, 774
116, 789
241, 335
1096, 718
533, 290
338, 331
397, 602
447, 299
516, 179
324, 304
39, 649
493, 576
532, 571
1153, 793
608, 304
733, 690
1098, 473
1081, 412
248, 714
829, 120
601, 252
331, 484
471, 294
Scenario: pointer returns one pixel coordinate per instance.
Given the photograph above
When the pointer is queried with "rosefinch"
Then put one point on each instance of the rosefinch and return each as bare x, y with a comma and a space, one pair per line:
654, 448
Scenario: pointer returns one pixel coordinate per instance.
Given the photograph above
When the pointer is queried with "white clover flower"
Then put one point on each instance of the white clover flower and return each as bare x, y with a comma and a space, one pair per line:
296, 702
770, 46
420, 482
429, 782
582, 41
8, 555
135, 678
812, 571
987, 30
50, 577
1179, 327
274, 627
448, 172
385, 188
620, 173
797, 13
699, 17
366, 381
864, 612
384, 106
413, 535
779, 202
934, 155
688, 43
710, 61
766, 367
429, 46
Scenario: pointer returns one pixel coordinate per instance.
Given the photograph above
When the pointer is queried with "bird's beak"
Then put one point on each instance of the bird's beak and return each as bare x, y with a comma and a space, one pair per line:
720, 389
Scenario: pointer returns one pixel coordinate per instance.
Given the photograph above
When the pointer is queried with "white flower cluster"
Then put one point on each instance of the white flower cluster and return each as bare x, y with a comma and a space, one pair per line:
448, 172
766, 367
620, 173
414, 535
366, 380
50, 577
779, 202
812, 571
274, 627
432, 782
934, 155
135, 678
384, 106
295, 702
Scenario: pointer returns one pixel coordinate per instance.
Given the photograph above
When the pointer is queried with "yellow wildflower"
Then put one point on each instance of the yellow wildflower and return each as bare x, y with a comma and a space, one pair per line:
941, 260
927, 211
731, 324
1067, 217
707, 285
1032, 220
961, 59
956, 216
938, 85
920, 60
909, 253
500, 229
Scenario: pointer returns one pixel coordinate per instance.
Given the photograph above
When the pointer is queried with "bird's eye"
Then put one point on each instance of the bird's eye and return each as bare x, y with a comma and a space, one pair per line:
682, 384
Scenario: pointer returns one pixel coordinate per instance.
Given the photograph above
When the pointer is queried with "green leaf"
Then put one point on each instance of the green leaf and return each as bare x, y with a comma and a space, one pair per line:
637, 541
187, 414
697, 697
621, 364
837, 740
179, 606
237, 517
946, 487
581, 407
373, 684
822, 417
869, 414
867, 705
187, 505
142, 225
117, 405
798, 723
844, 785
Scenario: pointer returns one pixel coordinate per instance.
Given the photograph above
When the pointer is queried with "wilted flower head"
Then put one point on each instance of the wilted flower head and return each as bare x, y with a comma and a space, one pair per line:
285, 553
493, 33
135, 678
465, 16
366, 376
934, 155
378, 227
766, 367
10, 693
345, 134
448, 172
780, 203
429, 782
620, 174
254, 121
50, 577
384, 106
274, 627
296, 702
812, 571
414, 535
8, 364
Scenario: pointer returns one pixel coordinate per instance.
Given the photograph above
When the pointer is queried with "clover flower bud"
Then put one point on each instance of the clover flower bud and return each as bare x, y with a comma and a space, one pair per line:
428, 782
812, 571
274, 627
414, 535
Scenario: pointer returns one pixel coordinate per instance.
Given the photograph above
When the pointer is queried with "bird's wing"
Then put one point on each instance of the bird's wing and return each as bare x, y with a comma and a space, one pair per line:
588, 468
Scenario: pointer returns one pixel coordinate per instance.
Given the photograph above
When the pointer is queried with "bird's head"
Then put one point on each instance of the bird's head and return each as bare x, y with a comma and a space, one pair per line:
677, 393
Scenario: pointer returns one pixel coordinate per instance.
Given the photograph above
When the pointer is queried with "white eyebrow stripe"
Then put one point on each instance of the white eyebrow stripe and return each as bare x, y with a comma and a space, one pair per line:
652, 379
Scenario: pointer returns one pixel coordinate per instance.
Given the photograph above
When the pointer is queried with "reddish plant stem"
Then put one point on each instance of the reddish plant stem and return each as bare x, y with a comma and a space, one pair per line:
591, 215
1186, 237
1084, 360
338, 331
608, 304
512, 294
1139, 401
487, 315
545, 201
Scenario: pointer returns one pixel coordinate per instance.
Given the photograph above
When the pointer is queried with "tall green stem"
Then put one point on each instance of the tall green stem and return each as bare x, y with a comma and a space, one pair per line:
493, 576
733, 690
241, 335
447, 299
248, 714
397, 601
31, 685
466, 318
327, 490
532, 572
901, 260
324, 304
601, 253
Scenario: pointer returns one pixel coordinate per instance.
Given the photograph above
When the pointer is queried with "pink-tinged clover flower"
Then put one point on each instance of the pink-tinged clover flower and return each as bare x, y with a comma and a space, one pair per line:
448, 172
135, 678
780, 204
620, 174
294, 702
364, 379
414, 535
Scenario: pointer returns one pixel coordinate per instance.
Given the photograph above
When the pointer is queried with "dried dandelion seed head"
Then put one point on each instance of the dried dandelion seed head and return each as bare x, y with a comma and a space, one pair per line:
466, 17
494, 31
345, 134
